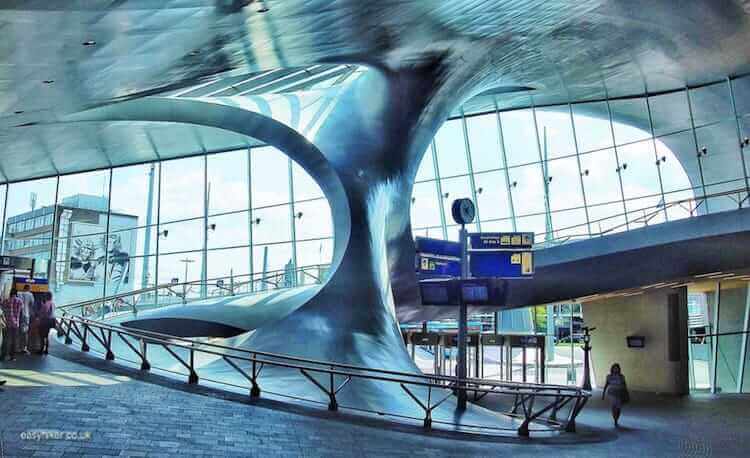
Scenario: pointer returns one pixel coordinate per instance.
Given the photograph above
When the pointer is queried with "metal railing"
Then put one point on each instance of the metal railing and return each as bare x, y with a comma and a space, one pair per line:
644, 216
156, 296
547, 408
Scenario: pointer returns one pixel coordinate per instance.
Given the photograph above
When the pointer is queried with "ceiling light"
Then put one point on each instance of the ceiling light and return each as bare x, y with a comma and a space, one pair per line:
48, 81
18, 112
89, 43
263, 9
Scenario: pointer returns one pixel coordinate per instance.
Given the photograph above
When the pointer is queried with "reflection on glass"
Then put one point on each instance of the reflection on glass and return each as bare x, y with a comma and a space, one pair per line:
711, 104
632, 120
593, 129
670, 112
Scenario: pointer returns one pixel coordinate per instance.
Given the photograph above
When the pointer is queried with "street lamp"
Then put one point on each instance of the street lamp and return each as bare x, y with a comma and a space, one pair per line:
586, 352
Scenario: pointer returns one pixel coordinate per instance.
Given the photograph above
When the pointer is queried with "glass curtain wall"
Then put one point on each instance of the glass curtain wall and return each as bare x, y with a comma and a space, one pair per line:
240, 214
718, 326
575, 171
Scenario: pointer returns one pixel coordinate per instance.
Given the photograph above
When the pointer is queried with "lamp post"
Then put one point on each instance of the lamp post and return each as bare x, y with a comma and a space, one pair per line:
186, 261
586, 352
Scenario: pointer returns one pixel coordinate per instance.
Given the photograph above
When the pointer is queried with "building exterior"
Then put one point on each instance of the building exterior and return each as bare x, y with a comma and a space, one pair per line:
73, 235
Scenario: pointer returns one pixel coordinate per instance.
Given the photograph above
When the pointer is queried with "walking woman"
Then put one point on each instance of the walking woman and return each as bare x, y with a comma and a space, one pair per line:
617, 391
46, 322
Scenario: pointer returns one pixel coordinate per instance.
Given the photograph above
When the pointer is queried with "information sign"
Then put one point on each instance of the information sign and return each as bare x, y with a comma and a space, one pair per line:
500, 240
501, 264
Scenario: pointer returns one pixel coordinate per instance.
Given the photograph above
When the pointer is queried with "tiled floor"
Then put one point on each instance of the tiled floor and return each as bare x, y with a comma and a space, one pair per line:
56, 407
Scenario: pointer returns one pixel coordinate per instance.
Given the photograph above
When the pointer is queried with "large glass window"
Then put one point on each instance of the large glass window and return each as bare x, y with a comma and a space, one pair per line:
527, 189
518, 137
711, 104
426, 169
425, 210
632, 123
227, 182
182, 189
270, 169
564, 184
484, 142
670, 112
555, 132
492, 196
451, 149
593, 129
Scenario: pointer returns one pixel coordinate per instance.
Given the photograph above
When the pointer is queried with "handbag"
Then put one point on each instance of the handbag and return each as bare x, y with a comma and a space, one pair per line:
625, 396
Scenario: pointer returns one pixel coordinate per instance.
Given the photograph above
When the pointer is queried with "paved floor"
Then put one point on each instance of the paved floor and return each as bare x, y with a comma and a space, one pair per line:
56, 407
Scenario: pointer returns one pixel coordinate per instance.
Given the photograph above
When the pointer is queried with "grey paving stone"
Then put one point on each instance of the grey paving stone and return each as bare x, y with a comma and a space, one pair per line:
140, 418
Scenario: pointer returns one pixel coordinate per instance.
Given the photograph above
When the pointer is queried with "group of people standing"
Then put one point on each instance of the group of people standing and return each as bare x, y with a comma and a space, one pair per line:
23, 319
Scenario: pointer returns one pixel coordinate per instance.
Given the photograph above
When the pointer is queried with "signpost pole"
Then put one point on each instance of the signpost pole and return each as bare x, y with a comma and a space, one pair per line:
462, 325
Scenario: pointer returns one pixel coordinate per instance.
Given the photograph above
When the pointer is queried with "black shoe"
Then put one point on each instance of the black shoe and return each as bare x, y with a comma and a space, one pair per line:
3, 382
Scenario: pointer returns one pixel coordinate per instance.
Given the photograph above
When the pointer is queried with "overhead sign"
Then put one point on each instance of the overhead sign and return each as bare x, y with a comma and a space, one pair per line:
16, 262
501, 264
500, 240
438, 258
36, 285
505, 255
438, 266
438, 247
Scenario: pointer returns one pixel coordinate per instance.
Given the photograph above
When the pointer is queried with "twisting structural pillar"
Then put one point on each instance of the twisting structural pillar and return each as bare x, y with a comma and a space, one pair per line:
364, 157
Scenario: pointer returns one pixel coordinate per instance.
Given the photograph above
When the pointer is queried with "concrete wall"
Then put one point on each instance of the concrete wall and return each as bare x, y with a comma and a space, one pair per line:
646, 369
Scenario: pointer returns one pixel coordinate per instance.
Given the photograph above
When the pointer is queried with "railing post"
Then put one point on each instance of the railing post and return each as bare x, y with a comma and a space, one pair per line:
84, 344
255, 389
68, 339
145, 365
193, 378
110, 356
333, 405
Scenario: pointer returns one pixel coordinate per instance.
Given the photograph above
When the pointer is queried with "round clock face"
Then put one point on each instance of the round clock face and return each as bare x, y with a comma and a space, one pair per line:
463, 211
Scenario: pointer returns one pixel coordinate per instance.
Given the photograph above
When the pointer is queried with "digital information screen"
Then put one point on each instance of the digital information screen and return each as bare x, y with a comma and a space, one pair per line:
434, 293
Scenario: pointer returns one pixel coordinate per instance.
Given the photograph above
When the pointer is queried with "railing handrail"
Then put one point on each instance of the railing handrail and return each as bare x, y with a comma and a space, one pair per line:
659, 207
158, 287
166, 339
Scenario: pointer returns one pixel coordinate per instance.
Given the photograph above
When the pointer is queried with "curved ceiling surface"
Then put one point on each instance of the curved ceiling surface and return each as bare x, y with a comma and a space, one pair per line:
61, 57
